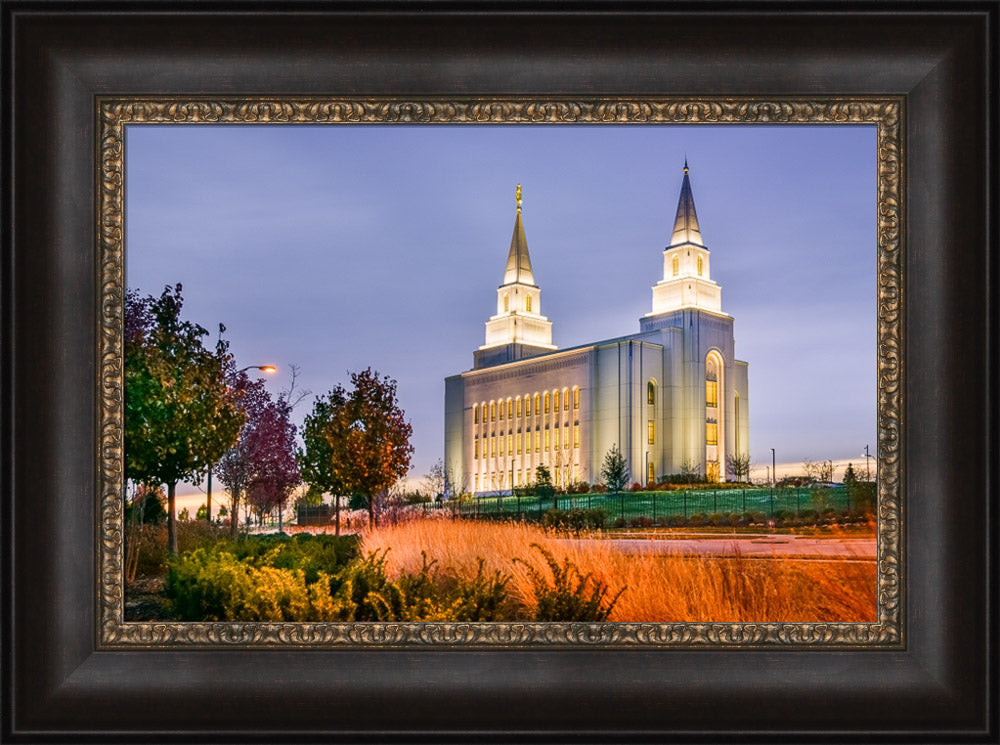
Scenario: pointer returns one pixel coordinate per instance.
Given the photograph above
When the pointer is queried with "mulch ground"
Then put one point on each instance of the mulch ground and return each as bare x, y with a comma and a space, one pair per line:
144, 600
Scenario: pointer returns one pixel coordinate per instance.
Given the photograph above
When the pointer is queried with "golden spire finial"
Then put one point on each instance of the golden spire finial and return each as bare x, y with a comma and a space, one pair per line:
517, 194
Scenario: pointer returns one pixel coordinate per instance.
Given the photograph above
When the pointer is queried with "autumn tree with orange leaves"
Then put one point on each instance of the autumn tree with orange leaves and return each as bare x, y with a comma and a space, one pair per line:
367, 435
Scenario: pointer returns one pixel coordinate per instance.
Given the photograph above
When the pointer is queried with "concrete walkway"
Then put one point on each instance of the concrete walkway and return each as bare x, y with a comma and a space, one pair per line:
753, 545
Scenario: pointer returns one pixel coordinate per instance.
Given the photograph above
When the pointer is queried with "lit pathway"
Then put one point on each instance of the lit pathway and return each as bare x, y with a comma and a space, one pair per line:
749, 545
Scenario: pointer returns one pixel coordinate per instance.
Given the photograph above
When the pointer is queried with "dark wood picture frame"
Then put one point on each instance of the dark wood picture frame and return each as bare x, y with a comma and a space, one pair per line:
58, 685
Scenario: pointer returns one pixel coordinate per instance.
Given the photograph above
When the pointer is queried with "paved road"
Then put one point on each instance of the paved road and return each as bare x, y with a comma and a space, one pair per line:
750, 545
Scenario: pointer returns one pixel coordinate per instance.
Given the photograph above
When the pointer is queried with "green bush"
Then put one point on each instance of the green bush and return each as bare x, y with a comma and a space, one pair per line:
570, 596
322, 578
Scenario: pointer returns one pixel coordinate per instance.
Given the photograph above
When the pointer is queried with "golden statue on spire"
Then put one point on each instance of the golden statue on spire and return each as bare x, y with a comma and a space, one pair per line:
517, 194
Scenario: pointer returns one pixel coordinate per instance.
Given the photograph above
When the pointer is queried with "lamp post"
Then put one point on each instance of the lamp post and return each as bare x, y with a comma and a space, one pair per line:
774, 471
868, 470
269, 369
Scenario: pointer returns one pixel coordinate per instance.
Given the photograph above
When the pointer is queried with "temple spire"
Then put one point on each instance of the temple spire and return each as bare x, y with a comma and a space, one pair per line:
686, 227
518, 260
518, 329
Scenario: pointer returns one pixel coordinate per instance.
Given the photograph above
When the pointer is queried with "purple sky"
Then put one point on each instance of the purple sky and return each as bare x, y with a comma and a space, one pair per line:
342, 247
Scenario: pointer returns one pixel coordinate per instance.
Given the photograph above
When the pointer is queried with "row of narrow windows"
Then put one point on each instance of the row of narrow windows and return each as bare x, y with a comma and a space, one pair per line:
549, 439
547, 402
506, 303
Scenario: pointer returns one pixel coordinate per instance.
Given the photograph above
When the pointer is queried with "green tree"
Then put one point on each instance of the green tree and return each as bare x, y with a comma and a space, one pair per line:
316, 455
544, 487
850, 477
614, 472
369, 437
180, 416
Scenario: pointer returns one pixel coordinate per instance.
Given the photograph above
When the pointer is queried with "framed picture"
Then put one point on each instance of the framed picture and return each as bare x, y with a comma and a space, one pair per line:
925, 665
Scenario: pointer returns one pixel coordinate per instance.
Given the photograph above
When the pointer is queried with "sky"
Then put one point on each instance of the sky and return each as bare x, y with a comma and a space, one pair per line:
336, 248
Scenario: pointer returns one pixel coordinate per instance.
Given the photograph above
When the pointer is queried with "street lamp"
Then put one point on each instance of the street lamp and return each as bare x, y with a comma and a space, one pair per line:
774, 472
868, 469
264, 368
269, 369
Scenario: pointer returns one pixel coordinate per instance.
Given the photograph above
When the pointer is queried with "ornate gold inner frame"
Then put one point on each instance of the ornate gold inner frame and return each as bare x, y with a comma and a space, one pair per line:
886, 113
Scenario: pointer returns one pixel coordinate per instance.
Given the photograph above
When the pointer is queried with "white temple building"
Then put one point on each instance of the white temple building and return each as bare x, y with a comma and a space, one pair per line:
672, 397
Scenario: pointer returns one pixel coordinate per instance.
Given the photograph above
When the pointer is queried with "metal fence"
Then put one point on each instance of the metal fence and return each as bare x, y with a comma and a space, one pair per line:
688, 503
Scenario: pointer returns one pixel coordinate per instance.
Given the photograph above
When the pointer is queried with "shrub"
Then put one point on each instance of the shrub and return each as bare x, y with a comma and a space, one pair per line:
599, 489
636, 486
641, 522
619, 522
306, 578
698, 519
570, 596
575, 519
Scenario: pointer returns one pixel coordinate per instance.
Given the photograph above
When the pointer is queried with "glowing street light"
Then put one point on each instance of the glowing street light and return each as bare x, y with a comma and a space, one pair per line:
263, 368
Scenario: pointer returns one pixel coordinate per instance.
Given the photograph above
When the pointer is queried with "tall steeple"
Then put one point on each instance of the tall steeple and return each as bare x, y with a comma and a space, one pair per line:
686, 227
686, 279
518, 329
518, 260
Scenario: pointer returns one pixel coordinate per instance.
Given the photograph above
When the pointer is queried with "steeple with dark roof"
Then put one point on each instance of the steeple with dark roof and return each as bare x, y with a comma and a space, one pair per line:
686, 227
687, 279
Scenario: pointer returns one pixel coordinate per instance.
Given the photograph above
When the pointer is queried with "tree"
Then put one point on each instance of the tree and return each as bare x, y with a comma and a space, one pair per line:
739, 465
691, 471
369, 437
850, 477
180, 416
316, 456
270, 440
614, 472
543, 483
819, 470
235, 468
436, 481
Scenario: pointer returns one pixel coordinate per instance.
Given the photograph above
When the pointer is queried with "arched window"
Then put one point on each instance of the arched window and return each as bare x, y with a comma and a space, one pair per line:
519, 410
493, 411
527, 303
538, 399
651, 393
650, 472
565, 400
501, 411
510, 408
576, 398
506, 303
676, 266
711, 383
651, 432
527, 405
546, 402
475, 414
700, 264
555, 402
477, 449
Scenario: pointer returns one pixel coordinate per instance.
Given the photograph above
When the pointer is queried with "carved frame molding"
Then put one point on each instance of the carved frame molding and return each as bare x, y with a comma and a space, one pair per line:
886, 113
